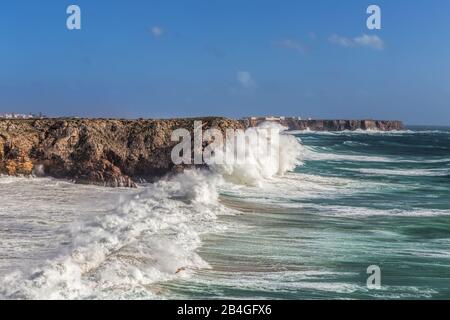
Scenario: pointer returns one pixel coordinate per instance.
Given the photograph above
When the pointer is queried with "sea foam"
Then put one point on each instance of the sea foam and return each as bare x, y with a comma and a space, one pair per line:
262, 163
148, 237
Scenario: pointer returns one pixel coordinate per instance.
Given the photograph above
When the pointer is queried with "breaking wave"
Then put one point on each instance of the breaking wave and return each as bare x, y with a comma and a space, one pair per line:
262, 163
153, 234
320, 154
149, 237
403, 172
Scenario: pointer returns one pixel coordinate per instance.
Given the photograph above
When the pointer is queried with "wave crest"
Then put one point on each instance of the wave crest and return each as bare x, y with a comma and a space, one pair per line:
151, 236
279, 157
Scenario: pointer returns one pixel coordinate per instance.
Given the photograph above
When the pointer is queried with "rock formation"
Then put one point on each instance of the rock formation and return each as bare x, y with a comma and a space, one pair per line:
334, 125
118, 153
107, 152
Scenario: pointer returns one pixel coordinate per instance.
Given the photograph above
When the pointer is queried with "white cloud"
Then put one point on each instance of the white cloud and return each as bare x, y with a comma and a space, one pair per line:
291, 44
157, 31
342, 41
245, 79
373, 42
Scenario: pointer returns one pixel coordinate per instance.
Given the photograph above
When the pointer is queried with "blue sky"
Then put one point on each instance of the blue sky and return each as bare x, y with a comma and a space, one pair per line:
313, 58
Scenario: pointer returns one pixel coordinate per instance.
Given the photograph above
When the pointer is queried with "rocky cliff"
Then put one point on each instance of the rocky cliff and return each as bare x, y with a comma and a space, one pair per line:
335, 125
107, 152
119, 153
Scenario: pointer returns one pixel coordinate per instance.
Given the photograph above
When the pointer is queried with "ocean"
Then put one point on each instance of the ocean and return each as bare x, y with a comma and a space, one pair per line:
307, 227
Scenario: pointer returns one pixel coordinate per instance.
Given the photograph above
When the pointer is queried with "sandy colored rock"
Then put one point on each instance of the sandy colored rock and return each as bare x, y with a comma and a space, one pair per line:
119, 153
109, 152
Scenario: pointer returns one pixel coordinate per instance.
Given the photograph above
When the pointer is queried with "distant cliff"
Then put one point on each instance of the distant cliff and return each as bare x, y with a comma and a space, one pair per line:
108, 152
333, 125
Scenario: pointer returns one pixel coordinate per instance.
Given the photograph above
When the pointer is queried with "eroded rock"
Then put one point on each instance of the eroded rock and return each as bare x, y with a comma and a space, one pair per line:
107, 152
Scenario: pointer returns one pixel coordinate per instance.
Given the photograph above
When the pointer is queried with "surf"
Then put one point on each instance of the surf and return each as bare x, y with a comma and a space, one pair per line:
150, 236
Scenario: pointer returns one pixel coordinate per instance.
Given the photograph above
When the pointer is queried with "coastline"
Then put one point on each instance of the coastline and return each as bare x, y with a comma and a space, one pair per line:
294, 124
90, 242
119, 152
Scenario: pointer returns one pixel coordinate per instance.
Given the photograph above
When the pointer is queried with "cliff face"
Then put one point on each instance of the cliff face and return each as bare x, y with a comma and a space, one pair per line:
104, 152
336, 125
118, 153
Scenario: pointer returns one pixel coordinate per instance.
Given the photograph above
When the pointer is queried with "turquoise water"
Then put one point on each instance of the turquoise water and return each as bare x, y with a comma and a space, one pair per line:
359, 199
